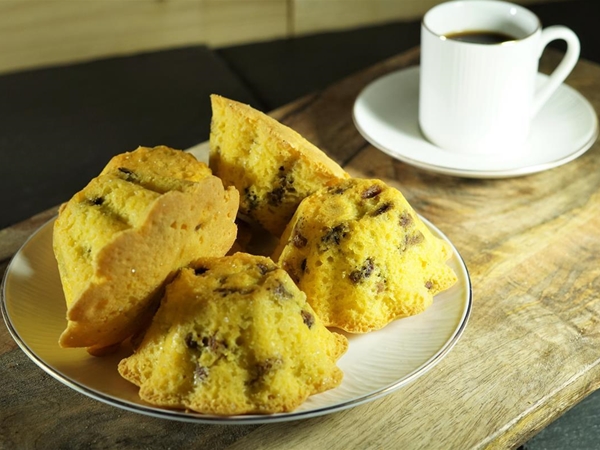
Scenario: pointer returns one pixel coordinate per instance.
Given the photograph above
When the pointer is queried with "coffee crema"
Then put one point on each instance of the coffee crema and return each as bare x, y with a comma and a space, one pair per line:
480, 37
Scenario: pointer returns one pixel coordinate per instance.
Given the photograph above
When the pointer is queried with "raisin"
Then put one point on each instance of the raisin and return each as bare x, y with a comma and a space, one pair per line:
213, 344
307, 318
299, 241
356, 276
125, 170
429, 284
412, 239
97, 201
383, 209
264, 269
406, 219
200, 373
129, 174
335, 234
275, 197
262, 368
368, 267
200, 270
190, 342
372, 191
251, 199
281, 292
415, 238
284, 183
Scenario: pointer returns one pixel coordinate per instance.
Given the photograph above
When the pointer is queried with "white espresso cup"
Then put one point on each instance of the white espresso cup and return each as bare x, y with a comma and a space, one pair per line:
480, 98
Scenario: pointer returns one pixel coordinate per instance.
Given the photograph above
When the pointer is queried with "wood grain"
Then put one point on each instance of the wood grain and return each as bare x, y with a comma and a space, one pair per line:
39, 33
531, 349
316, 15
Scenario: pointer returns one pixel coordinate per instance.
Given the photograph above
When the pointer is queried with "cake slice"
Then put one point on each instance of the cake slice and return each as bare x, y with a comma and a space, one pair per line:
234, 335
123, 236
271, 165
363, 256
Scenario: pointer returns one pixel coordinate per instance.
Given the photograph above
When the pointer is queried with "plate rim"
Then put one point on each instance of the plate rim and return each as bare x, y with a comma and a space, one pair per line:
473, 173
250, 419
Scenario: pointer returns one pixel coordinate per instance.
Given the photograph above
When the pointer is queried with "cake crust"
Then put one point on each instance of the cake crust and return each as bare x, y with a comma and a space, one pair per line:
362, 256
121, 238
234, 335
272, 166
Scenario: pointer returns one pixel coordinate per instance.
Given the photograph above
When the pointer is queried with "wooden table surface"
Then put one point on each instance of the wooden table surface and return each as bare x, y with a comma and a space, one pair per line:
530, 351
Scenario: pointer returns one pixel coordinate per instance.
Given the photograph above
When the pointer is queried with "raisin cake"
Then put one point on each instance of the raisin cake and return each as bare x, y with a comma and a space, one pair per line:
271, 165
234, 335
126, 233
363, 256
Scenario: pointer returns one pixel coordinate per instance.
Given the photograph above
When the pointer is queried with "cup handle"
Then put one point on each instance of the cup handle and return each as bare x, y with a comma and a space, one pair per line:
565, 67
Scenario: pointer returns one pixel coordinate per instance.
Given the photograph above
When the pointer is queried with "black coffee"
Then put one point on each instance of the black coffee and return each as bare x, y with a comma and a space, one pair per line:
480, 37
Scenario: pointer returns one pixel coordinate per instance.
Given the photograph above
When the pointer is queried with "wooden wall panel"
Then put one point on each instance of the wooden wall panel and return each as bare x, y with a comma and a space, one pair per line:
35, 33
312, 16
44, 32
317, 15
227, 22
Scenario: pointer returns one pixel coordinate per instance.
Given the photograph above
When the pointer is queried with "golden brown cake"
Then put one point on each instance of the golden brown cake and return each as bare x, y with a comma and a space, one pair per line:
362, 256
234, 335
271, 165
162, 162
125, 234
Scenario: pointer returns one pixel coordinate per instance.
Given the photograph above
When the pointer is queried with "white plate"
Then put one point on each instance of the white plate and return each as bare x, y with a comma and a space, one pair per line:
386, 114
376, 363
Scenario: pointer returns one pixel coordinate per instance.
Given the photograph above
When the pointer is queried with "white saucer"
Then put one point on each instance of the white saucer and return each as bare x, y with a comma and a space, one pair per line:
386, 114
